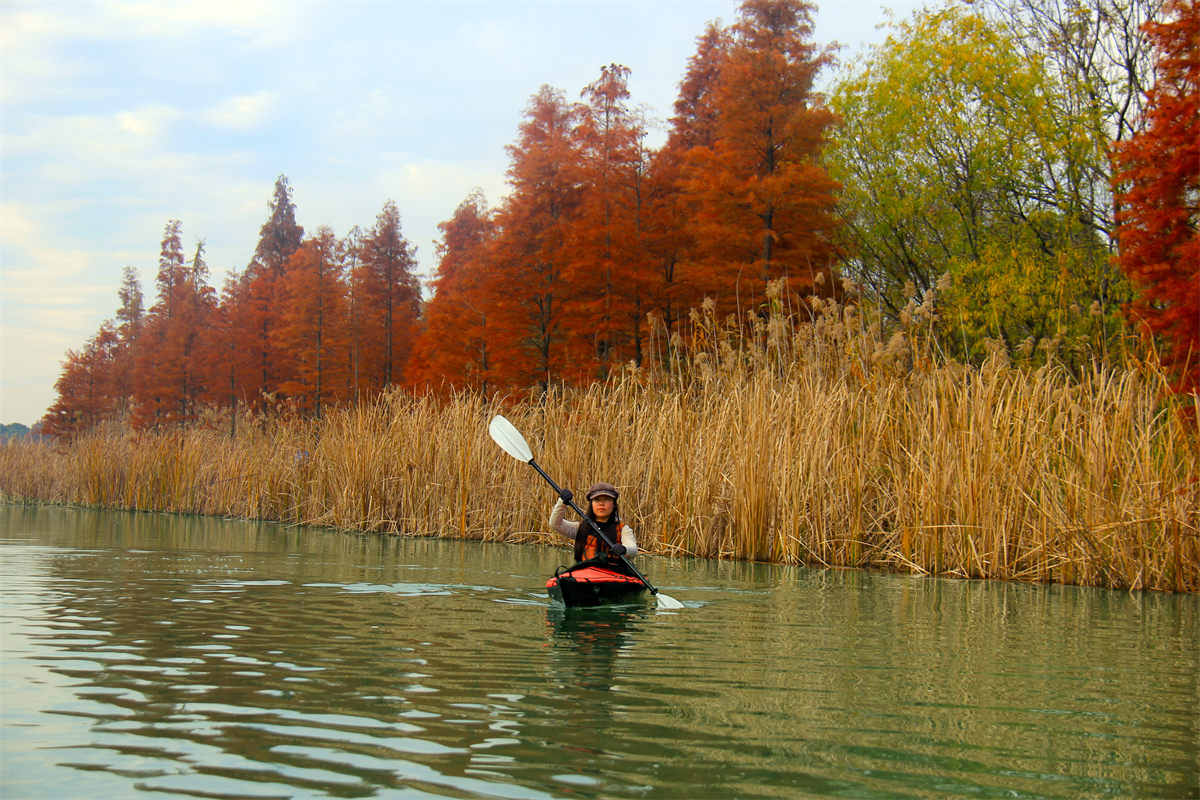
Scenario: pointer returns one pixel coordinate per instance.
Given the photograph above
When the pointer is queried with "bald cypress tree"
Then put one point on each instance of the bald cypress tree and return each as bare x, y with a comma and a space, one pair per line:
279, 237
389, 294
761, 202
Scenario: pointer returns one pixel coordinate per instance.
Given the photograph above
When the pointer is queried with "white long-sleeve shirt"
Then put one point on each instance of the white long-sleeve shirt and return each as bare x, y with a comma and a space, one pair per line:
571, 529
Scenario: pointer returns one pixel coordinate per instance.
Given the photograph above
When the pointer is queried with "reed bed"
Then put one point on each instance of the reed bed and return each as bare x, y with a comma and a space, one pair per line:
810, 445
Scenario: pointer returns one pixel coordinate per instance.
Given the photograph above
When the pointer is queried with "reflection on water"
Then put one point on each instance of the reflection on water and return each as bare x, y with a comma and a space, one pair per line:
165, 654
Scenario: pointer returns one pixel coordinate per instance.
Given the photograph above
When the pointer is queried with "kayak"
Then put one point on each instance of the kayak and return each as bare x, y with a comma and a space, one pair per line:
594, 583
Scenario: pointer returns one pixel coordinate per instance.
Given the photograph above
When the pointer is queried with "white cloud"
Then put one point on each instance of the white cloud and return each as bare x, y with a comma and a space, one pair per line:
42, 278
265, 24
242, 112
16, 227
149, 122
426, 192
74, 149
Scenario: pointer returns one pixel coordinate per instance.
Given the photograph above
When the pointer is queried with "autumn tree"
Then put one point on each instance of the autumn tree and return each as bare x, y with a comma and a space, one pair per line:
1158, 186
171, 275
279, 237
694, 123
359, 325
610, 268
171, 373
129, 320
97, 381
762, 200
525, 281
387, 298
310, 336
158, 391
453, 349
132, 304
667, 235
85, 394
225, 350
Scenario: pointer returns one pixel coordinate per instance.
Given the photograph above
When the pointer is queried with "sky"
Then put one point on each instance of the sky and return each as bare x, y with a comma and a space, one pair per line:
116, 117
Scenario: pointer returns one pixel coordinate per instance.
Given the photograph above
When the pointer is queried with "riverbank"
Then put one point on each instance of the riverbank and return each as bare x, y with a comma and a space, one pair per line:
996, 472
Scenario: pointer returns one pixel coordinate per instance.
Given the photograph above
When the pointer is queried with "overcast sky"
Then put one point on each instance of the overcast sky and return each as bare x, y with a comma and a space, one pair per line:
119, 116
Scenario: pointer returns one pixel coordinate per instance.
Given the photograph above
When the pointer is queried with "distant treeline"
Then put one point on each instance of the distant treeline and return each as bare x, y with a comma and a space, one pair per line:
1016, 177
789, 442
14, 430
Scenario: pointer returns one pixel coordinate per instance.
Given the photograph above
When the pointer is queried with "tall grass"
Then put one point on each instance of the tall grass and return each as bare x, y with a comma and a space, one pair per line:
814, 444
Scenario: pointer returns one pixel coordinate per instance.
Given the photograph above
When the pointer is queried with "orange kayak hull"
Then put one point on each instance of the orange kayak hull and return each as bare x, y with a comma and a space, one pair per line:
590, 584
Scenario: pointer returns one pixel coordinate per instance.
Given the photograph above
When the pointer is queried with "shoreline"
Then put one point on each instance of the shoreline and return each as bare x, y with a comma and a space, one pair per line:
979, 473
539, 539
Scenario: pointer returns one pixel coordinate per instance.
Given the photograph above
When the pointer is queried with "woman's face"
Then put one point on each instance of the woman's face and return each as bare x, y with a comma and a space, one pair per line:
602, 507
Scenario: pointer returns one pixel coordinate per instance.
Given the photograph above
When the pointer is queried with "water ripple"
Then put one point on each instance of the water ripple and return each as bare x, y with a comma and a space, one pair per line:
291, 672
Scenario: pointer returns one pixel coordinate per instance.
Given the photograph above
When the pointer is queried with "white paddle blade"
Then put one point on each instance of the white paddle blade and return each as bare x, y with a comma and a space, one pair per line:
666, 601
509, 438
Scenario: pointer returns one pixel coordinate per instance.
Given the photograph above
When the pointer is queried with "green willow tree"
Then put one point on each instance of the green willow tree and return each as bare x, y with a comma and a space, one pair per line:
962, 164
1101, 57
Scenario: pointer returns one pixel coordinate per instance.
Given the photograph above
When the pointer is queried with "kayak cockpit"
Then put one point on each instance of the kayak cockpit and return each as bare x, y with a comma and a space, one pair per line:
595, 583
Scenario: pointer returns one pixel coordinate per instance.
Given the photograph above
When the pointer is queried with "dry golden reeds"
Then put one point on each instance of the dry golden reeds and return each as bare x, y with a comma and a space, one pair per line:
807, 444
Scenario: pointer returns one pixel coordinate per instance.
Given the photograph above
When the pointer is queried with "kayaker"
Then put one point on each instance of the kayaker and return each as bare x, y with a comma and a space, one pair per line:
602, 508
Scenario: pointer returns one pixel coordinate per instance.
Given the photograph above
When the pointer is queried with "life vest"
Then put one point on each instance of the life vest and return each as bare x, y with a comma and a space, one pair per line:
590, 546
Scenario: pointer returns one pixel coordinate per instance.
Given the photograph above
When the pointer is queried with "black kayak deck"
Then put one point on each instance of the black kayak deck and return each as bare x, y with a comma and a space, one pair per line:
595, 583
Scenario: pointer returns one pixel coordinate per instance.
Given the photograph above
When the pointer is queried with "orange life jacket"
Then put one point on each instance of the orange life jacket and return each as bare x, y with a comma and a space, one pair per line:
592, 545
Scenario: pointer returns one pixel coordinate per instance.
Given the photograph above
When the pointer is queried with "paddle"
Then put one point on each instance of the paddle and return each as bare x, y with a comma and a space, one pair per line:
512, 442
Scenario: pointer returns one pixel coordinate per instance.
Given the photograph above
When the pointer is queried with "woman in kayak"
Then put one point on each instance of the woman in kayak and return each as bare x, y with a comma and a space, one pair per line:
602, 509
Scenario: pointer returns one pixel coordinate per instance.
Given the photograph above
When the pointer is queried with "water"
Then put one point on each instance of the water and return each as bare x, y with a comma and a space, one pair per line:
157, 655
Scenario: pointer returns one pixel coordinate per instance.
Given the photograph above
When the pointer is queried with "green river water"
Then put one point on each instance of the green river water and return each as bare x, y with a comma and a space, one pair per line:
151, 655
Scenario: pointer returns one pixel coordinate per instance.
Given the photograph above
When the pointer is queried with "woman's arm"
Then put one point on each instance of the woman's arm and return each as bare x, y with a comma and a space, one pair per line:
560, 525
627, 539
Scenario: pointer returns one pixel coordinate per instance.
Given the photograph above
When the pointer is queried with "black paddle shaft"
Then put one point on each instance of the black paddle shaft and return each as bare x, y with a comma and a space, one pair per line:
591, 522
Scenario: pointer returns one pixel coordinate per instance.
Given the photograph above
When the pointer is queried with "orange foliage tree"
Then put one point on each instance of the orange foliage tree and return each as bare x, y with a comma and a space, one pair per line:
130, 317
668, 236
262, 284
387, 302
532, 249
84, 390
225, 352
452, 351
311, 336
170, 368
1158, 197
762, 201
596, 235
609, 266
